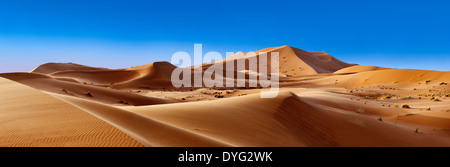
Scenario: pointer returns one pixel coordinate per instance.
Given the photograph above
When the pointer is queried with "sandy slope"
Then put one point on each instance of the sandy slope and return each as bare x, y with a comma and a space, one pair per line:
86, 91
55, 67
359, 68
287, 120
147, 131
292, 61
151, 76
98, 77
399, 77
29, 117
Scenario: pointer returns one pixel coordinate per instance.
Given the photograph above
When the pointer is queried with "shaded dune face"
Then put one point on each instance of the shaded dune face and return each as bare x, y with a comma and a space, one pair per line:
322, 102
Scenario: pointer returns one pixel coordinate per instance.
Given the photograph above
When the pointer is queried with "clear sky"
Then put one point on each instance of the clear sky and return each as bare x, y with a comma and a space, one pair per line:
124, 33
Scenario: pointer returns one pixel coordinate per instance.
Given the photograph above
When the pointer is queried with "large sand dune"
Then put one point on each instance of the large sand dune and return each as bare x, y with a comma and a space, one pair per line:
322, 102
292, 61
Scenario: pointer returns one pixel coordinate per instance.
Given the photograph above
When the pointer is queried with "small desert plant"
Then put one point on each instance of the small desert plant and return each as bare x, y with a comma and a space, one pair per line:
443, 83
417, 130
370, 97
383, 105
89, 94
357, 99
183, 98
428, 109
396, 105
123, 102
405, 106
360, 110
436, 99
218, 96
405, 97
380, 118
388, 97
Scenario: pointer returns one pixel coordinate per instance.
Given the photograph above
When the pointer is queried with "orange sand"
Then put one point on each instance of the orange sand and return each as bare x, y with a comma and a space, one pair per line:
322, 102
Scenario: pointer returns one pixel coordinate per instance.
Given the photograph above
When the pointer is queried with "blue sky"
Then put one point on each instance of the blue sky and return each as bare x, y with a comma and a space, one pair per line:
119, 33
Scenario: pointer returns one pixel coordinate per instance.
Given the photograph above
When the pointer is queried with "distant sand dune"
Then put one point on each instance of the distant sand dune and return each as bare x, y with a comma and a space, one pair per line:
293, 61
404, 77
100, 77
154, 75
86, 91
55, 67
358, 68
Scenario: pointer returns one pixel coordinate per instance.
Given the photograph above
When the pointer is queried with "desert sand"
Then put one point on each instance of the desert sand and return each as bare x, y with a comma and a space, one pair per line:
323, 102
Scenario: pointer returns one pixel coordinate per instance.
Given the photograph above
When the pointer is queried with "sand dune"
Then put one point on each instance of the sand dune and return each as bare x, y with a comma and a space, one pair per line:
31, 118
86, 91
401, 77
150, 76
322, 102
287, 120
98, 77
55, 67
147, 131
154, 75
292, 61
359, 68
